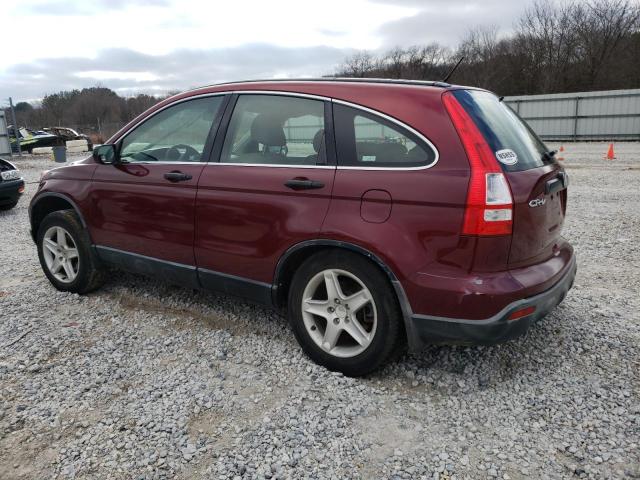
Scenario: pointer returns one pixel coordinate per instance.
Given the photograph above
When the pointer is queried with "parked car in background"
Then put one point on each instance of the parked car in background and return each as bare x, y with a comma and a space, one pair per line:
11, 185
69, 134
30, 139
375, 213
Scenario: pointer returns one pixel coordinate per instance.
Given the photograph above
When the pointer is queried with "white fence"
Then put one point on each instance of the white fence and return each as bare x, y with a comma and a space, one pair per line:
605, 115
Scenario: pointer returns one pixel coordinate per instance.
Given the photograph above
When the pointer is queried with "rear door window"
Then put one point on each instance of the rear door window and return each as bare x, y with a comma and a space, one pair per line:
275, 130
513, 142
367, 140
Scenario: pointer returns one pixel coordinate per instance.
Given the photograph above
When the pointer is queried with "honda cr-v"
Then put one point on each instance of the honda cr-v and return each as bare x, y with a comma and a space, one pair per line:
376, 214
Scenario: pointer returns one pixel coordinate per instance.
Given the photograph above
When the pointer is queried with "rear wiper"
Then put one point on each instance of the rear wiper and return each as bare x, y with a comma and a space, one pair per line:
549, 155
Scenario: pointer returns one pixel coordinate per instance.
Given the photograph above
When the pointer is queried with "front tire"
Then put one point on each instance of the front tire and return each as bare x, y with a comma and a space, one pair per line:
65, 253
344, 312
8, 206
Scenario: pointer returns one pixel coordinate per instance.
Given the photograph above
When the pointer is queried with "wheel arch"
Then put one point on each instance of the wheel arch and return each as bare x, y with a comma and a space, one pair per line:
49, 202
298, 253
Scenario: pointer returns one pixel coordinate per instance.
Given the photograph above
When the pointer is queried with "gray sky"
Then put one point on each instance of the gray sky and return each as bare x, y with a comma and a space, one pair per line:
153, 46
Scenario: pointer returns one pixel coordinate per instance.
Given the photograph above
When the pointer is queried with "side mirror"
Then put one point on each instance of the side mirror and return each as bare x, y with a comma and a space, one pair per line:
105, 154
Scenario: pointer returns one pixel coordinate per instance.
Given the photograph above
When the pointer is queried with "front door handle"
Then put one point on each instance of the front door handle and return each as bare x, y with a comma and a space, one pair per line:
177, 176
303, 184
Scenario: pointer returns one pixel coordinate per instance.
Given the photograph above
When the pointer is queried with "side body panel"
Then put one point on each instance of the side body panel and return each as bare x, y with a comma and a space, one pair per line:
246, 218
422, 231
135, 209
72, 182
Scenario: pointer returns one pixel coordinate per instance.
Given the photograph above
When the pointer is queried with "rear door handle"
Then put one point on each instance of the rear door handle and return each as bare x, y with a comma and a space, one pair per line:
177, 177
303, 184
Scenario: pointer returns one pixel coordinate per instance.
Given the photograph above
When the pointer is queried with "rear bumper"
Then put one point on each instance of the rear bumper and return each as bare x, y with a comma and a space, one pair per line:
425, 330
10, 191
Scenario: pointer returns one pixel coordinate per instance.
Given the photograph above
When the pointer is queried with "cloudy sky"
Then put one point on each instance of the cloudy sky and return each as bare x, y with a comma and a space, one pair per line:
153, 46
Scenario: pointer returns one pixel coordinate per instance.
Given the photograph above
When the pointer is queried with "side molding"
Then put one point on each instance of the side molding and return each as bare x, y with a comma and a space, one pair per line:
187, 275
258, 292
171, 272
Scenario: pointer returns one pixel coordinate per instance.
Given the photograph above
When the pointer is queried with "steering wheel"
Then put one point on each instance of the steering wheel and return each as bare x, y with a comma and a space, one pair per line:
190, 154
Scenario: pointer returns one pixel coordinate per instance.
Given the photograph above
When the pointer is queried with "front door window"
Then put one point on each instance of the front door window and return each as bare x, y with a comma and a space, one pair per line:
176, 134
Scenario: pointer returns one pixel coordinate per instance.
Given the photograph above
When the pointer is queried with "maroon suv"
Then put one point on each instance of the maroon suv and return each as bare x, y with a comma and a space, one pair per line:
376, 213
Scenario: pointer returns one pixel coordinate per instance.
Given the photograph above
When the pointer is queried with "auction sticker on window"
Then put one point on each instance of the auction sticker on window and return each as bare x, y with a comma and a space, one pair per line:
507, 156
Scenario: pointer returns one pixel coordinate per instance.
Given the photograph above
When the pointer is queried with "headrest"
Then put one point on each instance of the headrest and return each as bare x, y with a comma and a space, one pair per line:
267, 129
318, 140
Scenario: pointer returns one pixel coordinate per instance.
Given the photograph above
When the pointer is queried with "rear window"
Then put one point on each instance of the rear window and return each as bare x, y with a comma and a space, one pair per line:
515, 145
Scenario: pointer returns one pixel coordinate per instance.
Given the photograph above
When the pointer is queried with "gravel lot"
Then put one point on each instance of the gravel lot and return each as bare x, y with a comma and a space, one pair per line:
145, 380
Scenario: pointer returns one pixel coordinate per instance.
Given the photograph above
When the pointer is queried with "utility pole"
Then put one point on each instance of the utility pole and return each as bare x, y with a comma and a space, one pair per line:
16, 131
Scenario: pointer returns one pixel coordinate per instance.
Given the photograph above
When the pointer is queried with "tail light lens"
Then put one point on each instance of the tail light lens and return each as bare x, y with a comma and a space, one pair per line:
489, 206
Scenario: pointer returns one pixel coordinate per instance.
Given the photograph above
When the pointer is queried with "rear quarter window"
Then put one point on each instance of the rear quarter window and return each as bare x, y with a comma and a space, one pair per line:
367, 140
514, 143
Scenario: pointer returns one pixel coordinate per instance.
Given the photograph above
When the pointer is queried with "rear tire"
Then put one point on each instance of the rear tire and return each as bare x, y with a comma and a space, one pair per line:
344, 312
65, 253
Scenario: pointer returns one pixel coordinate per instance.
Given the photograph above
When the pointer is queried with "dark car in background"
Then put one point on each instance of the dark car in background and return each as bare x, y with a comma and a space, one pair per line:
30, 139
374, 213
11, 185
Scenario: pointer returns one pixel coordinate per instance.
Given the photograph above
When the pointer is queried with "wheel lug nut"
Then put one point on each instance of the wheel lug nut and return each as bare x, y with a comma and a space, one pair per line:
336, 301
331, 309
336, 321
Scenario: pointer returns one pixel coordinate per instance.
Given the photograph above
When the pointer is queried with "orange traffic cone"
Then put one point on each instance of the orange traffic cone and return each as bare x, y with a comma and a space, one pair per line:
610, 154
561, 149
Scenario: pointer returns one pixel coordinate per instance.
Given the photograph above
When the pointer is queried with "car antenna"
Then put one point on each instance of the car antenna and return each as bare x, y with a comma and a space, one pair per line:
453, 69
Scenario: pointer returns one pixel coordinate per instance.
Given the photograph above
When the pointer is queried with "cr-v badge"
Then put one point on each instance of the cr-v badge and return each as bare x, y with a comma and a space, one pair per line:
536, 202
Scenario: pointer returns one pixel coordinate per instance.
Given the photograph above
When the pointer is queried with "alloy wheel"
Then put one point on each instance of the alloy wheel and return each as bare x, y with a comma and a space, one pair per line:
61, 254
339, 313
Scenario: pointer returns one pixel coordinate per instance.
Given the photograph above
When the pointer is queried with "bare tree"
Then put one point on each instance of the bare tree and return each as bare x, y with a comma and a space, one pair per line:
603, 28
555, 47
358, 65
480, 50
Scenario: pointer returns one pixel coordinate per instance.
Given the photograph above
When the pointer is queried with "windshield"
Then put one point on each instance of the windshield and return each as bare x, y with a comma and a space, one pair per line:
515, 145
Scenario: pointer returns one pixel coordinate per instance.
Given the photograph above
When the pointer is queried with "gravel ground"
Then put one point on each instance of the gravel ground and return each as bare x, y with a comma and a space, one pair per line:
145, 380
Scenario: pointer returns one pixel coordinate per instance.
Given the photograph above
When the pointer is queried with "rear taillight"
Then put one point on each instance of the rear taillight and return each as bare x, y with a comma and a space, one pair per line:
489, 207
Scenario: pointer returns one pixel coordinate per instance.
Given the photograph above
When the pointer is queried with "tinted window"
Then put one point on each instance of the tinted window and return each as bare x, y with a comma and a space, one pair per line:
504, 130
176, 134
367, 140
275, 130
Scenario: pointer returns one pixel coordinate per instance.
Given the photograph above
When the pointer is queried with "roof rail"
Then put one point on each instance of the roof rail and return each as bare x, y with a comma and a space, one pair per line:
398, 81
